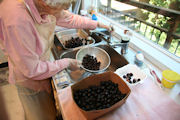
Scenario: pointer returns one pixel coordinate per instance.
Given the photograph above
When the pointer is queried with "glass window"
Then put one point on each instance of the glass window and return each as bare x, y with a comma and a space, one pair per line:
104, 2
157, 21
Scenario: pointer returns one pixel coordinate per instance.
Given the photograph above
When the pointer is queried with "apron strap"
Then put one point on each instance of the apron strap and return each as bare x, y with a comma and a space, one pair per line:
29, 11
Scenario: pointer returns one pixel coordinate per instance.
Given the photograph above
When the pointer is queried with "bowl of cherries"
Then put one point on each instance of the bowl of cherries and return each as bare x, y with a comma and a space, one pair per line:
99, 94
93, 59
131, 74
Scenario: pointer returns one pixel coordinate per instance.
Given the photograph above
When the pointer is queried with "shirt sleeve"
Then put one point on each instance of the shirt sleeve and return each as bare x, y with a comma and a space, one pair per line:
70, 20
24, 48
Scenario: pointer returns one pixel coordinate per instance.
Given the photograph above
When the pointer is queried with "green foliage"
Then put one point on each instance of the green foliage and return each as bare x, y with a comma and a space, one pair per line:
178, 51
149, 32
162, 39
178, 29
142, 28
160, 21
157, 33
160, 3
173, 46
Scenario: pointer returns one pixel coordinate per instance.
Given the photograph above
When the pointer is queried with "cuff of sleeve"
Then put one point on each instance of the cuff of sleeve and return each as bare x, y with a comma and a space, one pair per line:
63, 63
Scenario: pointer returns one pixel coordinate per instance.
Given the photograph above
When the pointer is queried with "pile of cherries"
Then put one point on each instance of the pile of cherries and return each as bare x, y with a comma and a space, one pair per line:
98, 97
90, 62
75, 42
129, 79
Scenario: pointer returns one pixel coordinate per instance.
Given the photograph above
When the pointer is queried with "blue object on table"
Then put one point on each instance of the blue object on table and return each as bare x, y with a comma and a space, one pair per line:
94, 17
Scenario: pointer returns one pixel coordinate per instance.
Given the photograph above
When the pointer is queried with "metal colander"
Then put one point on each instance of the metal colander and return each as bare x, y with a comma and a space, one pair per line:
99, 53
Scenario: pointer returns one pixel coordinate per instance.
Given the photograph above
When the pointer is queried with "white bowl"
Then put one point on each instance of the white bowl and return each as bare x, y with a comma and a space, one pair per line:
136, 71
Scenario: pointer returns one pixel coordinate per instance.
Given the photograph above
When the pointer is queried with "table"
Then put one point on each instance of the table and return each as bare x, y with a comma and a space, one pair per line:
146, 102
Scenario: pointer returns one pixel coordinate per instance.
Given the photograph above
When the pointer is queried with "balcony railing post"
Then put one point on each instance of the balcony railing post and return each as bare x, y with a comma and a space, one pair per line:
145, 30
177, 47
158, 38
173, 25
152, 34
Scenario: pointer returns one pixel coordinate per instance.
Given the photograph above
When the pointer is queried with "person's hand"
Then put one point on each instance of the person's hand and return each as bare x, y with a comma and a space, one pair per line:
74, 64
109, 28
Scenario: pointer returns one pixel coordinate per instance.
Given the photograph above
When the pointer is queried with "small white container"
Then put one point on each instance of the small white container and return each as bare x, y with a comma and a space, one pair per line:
139, 58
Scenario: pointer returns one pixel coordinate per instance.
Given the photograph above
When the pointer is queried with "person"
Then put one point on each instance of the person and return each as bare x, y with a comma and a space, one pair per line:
26, 37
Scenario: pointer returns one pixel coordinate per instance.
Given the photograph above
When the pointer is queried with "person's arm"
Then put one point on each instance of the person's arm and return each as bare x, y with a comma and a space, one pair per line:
24, 48
70, 20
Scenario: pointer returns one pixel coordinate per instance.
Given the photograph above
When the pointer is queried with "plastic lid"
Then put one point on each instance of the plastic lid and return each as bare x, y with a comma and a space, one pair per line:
125, 38
140, 56
171, 75
139, 52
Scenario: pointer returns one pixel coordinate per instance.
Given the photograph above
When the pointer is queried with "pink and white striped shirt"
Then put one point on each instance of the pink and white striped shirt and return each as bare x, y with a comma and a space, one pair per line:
20, 41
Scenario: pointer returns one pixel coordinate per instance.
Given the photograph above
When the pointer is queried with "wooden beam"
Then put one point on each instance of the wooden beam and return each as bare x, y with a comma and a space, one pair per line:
152, 8
176, 36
